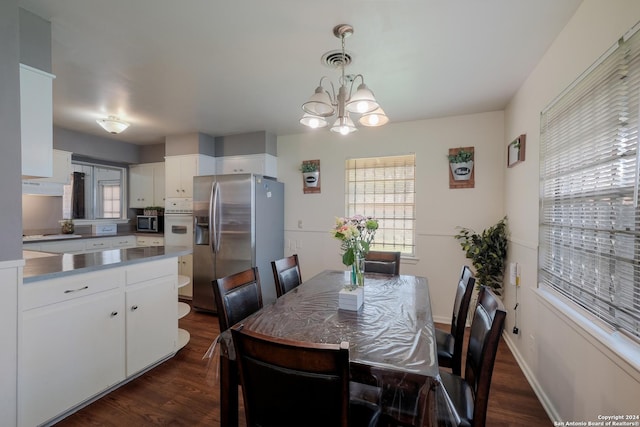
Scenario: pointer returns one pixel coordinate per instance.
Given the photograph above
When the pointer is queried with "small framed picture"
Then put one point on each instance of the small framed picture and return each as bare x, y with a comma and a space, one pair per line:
516, 150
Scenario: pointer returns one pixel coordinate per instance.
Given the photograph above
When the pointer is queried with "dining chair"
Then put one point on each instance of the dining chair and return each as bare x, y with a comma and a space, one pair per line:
382, 262
466, 399
286, 274
293, 383
237, 296
450, 343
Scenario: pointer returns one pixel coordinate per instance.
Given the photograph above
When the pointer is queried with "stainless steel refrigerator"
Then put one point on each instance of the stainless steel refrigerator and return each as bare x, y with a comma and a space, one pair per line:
238, 224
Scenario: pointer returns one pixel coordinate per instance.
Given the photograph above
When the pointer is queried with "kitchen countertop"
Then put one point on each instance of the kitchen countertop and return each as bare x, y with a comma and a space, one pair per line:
42, 266
77, 236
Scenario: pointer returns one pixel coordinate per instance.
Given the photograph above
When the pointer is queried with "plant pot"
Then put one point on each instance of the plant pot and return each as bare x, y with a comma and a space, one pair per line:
461, 171
311, 178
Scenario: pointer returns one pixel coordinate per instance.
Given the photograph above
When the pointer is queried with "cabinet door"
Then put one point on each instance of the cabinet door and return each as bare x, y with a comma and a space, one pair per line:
141, 186
172, 176
152, 322
36, 122
61, 168
158, 184
188, 169
69, 351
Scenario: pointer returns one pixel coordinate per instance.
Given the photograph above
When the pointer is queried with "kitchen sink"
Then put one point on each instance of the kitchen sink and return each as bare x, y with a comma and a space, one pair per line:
50, 237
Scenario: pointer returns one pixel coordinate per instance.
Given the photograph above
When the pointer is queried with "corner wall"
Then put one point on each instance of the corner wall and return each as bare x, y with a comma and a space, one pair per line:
310, 217
574, 372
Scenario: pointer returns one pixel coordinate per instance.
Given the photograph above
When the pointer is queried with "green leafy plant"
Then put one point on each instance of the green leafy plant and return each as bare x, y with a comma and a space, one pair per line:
462, 156
308, 167
488, 253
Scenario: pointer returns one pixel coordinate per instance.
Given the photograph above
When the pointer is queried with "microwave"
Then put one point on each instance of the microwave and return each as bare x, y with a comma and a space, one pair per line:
150, 223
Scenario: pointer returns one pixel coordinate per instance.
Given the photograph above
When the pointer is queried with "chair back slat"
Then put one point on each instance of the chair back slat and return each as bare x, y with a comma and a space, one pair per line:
237, 296
286, 274
382, 262
292, 383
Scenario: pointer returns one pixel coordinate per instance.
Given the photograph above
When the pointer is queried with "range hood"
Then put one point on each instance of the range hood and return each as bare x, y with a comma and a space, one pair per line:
39, 188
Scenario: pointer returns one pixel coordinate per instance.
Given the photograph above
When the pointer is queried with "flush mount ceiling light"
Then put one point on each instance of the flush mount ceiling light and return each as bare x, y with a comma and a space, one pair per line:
324, 104
112, 124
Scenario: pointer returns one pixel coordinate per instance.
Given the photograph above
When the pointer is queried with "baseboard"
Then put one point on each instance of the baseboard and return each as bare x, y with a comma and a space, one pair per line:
542, 396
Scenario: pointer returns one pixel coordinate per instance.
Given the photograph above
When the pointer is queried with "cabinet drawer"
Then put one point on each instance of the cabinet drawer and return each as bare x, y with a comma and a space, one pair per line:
151, 270
38, 294
103, 243
123, 242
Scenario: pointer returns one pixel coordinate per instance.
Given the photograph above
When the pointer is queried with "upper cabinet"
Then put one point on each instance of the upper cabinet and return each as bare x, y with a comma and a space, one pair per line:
52, 186
147, 185
36, 122
261, 164
180, 170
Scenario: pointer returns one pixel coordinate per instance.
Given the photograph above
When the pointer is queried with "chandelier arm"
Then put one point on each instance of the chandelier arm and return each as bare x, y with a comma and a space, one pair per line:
332, 94
353, 81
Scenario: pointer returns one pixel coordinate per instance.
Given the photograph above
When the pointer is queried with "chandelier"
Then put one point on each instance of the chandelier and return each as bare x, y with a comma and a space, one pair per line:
324, 104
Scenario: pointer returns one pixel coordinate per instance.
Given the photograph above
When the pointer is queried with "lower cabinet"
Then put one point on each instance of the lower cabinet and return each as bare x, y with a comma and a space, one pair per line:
69, 351
82, 334
151, 306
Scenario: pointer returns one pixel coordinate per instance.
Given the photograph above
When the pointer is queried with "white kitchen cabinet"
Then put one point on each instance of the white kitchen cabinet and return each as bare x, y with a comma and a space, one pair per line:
149, 241
92, 245
54, 185
152, 314
146, 185
71, 345
36, 122
83, 334
185, 268
180, 170
64, 246
122, 242
260, 164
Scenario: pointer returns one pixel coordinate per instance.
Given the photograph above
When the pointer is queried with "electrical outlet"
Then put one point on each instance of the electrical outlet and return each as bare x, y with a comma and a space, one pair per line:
513, 275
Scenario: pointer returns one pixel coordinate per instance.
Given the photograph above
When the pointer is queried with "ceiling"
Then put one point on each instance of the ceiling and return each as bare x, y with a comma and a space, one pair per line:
226, 67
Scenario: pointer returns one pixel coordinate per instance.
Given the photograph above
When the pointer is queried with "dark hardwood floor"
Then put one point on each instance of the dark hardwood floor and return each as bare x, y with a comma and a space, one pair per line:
183, 391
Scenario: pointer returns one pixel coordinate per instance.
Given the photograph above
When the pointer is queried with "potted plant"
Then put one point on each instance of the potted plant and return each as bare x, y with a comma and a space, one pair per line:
461, 163
488, 252
310, 173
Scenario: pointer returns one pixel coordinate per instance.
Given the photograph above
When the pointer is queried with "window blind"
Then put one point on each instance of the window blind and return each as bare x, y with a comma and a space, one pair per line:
384, 188
589, 232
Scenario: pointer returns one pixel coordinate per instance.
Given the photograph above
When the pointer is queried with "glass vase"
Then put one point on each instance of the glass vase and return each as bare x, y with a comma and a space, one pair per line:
357, 271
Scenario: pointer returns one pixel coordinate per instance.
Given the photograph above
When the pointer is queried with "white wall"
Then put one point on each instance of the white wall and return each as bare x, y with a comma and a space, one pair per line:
576, 375
438, 209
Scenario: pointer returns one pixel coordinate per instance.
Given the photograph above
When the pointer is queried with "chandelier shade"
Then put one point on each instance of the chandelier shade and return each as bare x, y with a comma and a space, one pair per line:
313, 121
324, 103
362, 101
344, 125
375, 118
113, 124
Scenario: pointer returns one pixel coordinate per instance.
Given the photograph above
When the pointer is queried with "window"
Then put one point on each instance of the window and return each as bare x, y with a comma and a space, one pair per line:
384, 188
96, 191
589, 216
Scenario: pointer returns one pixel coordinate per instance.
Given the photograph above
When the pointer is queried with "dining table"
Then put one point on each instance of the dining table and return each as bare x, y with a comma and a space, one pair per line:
391, 337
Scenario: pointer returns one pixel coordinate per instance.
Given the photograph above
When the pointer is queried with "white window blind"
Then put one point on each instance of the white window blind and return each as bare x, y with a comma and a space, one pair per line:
384, 188
589, 218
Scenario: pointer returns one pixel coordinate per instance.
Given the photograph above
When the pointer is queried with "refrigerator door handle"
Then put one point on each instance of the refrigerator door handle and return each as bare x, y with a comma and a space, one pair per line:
210, 218
214, 219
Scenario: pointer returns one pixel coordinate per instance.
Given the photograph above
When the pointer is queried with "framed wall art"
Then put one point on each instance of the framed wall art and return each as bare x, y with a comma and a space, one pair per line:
516, 151
461, 167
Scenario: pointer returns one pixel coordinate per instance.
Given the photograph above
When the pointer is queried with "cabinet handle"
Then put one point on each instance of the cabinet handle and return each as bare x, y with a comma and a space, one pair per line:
70, 291
134, 307
114, 313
